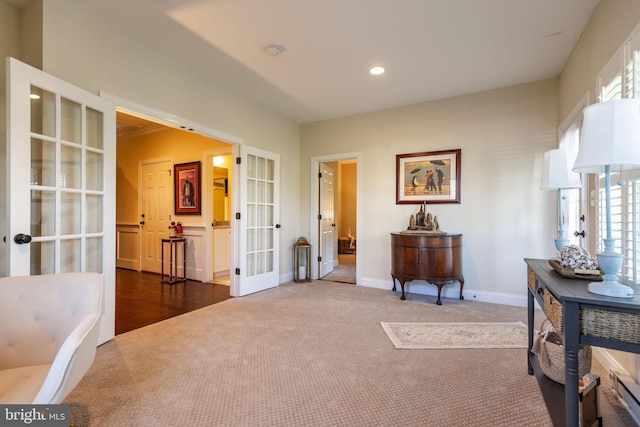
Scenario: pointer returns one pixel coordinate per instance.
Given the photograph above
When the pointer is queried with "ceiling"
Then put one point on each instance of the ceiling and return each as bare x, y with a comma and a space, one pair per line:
432, 49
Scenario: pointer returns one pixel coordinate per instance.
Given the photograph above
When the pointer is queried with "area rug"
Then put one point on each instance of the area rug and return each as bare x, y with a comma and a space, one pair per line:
456, 335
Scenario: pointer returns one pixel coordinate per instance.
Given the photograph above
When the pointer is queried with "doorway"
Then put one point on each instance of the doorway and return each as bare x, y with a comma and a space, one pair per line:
220, 162
146, 153
347, 217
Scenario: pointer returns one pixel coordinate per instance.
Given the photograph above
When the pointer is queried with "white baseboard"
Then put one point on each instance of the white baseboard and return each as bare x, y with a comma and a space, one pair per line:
625, 387
451, 291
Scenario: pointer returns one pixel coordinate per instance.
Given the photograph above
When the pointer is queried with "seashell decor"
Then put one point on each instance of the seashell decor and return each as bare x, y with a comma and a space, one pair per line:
573, 256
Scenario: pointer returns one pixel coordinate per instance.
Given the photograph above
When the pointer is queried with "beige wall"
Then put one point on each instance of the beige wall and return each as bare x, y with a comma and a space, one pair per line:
179, 146
612, 22
347, 206
503, 215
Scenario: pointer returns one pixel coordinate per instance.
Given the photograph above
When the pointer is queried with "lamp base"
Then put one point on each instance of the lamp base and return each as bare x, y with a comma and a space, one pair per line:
610, 263
561, 243
611, 289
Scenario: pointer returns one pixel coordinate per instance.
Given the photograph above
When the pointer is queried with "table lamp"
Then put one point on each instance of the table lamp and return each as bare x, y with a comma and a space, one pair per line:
610, 138
557, 175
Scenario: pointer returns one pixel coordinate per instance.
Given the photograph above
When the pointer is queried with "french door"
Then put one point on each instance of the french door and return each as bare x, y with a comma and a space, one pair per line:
259, 239
60, 181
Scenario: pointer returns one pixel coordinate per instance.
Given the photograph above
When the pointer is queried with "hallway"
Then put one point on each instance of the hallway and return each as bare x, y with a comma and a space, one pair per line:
345, 272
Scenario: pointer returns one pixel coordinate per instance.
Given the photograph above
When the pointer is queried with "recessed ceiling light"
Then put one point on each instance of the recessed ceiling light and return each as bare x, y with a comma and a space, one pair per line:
274, 49
377, 70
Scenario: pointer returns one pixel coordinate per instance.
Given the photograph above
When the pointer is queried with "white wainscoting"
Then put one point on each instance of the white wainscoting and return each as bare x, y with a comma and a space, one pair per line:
195, 252
128, 246
128, 249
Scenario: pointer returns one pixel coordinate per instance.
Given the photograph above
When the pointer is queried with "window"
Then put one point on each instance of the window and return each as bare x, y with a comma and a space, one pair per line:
620, 78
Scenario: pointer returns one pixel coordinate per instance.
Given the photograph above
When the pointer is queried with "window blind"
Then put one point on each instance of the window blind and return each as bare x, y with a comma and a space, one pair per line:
620, 78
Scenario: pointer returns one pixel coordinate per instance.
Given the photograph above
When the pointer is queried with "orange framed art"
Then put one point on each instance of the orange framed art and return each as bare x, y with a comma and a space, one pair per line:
186, 177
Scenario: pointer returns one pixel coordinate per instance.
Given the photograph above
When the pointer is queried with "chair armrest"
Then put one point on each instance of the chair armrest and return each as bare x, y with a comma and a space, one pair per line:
71, 362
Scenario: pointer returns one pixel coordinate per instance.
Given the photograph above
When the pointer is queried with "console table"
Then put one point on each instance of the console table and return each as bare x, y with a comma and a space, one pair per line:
582, 318
173, 243
434, 258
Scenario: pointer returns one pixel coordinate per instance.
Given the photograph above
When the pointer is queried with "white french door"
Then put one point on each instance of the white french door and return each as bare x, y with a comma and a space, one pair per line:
327, 219
259, 237
60, 181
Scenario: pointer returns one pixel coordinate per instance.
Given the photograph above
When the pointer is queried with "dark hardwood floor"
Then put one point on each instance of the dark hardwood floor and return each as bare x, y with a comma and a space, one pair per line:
142, 300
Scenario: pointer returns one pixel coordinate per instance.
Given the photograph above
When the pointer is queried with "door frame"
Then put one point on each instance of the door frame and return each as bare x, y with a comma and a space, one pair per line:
170, 120
314, 231
207, 208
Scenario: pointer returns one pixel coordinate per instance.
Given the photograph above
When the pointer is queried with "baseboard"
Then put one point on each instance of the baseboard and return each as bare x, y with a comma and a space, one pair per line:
626, 388
451, 291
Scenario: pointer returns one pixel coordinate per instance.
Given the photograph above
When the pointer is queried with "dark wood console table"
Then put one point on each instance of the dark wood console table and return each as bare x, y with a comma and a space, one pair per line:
434, 258
577, 311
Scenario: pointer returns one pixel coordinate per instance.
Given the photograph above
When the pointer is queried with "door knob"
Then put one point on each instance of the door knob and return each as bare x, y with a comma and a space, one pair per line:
576, 233
21, 238
141, 222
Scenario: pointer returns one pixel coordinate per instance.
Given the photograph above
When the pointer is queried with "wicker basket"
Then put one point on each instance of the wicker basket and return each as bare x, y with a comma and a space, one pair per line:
616, 325
553, 310
550, 351
531, 279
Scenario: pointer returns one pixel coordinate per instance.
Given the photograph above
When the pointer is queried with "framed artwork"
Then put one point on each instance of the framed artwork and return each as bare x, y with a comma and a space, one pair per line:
431, 177
186, 178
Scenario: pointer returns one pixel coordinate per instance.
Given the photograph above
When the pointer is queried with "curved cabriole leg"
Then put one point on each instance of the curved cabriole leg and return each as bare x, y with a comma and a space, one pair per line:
439, 302
402, 286
461, 280
394, 283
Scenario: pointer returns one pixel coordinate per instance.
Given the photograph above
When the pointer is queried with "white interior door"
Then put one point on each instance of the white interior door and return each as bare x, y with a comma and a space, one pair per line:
156, 203
327, 219
60, 181
258, 226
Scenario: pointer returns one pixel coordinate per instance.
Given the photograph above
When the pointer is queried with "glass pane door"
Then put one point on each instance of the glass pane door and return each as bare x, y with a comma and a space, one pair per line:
259, 240
66, 185
61, 180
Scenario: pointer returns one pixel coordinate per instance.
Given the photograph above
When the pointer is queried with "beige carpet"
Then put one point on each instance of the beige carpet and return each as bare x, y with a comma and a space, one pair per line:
423, 336
345, 271
310, 354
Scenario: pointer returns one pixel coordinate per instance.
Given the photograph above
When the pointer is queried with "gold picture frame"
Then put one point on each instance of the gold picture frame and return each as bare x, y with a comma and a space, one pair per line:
430, 176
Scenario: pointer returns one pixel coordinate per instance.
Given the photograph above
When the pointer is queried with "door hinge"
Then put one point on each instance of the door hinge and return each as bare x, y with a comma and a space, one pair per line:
237, 271
238, 160
319, 259
319, 217
237, 215
319, 174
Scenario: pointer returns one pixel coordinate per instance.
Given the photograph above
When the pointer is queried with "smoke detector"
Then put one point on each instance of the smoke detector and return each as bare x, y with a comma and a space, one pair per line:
275, 49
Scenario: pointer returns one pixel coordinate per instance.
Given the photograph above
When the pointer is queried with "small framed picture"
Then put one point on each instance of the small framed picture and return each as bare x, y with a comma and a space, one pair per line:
432, 177
186, 177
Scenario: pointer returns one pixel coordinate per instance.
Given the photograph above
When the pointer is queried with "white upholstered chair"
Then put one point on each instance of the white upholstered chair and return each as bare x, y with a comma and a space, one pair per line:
49, 329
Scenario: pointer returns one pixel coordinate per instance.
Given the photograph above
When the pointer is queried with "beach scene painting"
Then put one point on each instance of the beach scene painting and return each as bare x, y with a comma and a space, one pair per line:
432, 177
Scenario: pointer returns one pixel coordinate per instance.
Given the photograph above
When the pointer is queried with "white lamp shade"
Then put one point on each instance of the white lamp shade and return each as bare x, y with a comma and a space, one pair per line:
556, 172
610, 136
